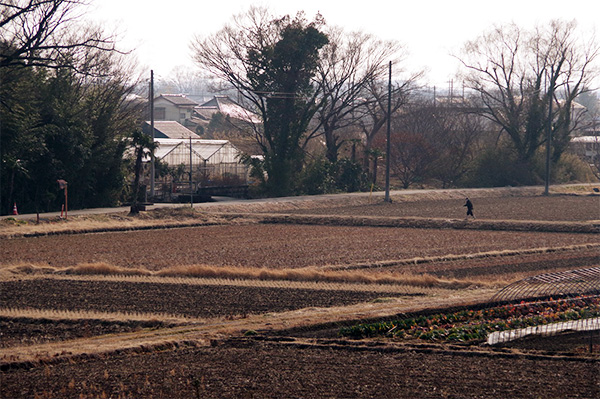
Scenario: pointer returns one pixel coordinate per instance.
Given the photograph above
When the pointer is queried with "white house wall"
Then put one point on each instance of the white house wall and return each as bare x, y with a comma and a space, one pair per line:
172, 112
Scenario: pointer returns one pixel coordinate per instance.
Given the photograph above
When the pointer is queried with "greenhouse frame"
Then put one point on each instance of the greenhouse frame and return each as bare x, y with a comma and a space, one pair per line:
210, 159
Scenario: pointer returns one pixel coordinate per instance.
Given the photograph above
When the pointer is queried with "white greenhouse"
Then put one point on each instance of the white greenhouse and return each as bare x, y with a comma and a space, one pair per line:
211, 158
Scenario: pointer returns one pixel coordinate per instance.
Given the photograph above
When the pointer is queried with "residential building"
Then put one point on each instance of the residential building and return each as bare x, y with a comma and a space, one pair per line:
174, 107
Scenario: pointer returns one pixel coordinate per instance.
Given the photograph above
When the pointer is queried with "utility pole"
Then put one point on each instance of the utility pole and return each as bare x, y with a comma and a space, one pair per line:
549, 133
152, 129
1, 165
388, 145
191, 182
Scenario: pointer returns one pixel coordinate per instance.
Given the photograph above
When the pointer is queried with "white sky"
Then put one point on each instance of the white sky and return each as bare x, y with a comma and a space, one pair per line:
159, 32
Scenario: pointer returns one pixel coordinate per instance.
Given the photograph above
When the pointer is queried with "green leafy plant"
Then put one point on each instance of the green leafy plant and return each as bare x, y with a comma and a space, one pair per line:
473, 326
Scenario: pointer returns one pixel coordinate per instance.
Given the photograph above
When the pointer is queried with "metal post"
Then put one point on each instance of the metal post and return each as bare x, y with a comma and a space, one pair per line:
152, 172
62, 184
66, 202
389, 146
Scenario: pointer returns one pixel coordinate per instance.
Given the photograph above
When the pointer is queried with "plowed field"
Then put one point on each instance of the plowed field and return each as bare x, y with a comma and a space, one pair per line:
74, 336
256, 369
270, 246
572, 208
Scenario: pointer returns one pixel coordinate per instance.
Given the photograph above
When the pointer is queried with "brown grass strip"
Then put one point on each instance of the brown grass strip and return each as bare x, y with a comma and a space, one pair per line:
169, 218
316, 275
83, 315
309, 278
432, 223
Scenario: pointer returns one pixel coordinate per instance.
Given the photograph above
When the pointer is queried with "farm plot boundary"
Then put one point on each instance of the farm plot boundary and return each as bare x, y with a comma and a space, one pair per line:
202, 219
433, 223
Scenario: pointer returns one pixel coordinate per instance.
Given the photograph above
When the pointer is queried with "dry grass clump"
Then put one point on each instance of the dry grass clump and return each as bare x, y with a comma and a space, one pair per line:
179, 213
27, 268
98, 269
305, 274
103, 269
60, 314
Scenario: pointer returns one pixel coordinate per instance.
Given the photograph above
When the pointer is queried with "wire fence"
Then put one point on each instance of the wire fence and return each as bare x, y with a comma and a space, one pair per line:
550, 304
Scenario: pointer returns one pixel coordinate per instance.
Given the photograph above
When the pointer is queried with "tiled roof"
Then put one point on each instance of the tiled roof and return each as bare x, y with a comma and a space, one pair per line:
226, 106
178, 99
170, 130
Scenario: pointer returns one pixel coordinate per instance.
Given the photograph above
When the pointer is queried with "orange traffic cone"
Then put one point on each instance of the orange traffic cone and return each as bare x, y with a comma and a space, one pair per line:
15, 212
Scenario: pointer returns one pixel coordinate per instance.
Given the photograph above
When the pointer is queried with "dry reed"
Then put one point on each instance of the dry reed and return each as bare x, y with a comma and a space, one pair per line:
260, 274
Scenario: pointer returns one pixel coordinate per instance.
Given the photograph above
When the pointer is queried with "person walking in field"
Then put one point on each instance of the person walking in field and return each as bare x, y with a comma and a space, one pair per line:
469, 206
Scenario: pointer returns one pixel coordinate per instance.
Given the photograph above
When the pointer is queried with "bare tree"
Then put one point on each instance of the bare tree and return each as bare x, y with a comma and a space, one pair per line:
349, 63
42, 33
517, 74
373, 113
412, 157
271, 62
184, 80
224, 55
458, 135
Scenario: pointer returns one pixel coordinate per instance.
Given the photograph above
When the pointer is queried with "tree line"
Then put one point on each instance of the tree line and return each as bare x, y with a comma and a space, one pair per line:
69, 106
320, 91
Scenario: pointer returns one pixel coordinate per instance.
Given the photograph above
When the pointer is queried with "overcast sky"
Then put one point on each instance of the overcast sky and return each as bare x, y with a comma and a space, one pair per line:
159, 32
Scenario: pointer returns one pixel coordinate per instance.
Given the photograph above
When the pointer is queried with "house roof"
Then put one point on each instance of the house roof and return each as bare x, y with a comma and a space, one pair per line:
170, 130
227, 106
586, 139
177, 99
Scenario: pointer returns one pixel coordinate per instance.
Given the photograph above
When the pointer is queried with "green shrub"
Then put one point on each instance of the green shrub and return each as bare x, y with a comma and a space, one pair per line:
500, 167
323, 177
571, 169
317, 177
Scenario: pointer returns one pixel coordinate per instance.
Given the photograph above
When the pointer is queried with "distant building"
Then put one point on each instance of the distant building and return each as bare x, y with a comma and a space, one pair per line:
174, 107
225, 106
233, 119
586, 147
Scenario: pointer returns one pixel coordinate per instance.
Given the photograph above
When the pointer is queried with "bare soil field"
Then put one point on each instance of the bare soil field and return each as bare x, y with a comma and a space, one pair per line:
270, 245
572, 208
249, 338
513, 266
255, 369
193, 301
15, 331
